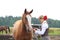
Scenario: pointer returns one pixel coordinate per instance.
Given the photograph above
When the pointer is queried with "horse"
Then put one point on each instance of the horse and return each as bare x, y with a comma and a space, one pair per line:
5, 28
22, 29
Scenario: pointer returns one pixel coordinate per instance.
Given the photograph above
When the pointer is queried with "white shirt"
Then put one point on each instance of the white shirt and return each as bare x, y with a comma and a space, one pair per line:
44, 26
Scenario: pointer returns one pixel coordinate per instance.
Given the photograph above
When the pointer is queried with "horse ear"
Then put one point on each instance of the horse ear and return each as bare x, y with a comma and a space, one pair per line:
25, 10
31, 11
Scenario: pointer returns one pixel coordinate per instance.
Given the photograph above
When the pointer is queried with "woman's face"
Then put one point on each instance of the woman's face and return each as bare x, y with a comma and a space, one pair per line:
41, 20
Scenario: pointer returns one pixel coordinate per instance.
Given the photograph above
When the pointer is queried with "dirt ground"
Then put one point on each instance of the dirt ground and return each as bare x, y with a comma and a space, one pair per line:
55, 37
52, 37
6, 37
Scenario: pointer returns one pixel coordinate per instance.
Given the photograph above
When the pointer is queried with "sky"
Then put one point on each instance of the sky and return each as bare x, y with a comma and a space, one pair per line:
51, 8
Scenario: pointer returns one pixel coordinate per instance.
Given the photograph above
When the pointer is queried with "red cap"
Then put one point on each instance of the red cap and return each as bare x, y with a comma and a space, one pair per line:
45, 17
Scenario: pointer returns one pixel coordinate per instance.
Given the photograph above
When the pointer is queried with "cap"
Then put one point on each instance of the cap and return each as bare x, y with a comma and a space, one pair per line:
45, 18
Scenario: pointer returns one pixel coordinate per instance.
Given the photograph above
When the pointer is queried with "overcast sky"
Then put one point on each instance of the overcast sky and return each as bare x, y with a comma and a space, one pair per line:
51, 8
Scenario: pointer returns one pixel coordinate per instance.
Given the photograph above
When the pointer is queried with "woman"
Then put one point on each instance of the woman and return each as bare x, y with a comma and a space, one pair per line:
43, 31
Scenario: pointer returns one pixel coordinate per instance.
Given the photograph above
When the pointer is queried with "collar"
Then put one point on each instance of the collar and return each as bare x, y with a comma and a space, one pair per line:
44, 22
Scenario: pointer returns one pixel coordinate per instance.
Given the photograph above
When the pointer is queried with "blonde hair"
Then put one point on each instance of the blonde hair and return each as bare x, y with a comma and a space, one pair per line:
41, 17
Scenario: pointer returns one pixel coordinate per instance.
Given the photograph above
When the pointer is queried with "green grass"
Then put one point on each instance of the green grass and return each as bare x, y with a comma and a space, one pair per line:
2, 33
52, 31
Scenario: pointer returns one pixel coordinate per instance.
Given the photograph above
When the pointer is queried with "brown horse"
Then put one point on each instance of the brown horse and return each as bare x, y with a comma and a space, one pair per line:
5, 28
22, 29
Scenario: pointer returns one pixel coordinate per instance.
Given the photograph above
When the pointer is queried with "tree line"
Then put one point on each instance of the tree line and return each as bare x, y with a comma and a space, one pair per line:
9, 21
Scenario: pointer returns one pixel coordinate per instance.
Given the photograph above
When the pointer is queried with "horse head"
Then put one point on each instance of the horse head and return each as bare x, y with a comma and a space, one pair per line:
26, 19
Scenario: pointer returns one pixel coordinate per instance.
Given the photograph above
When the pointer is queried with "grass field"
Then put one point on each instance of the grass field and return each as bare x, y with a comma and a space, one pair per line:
52, 31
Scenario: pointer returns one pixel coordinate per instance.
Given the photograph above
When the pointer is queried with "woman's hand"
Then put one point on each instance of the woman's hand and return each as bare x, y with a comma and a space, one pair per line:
34, 29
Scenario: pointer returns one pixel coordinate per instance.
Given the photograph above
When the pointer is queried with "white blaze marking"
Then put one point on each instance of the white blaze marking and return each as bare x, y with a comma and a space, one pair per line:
29, 21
